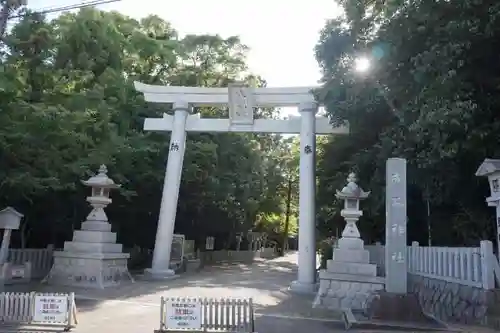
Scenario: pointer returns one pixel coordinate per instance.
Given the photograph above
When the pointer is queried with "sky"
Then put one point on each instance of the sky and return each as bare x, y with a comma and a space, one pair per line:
281, 34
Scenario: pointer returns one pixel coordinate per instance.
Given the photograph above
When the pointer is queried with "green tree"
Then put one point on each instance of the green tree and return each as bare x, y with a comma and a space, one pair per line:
67, 105
427, 98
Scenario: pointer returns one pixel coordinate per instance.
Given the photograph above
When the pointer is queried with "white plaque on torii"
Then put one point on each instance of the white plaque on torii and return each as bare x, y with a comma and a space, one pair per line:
241, 104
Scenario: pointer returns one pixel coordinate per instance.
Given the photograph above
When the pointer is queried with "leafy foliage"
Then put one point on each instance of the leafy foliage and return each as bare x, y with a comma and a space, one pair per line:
431, 97
67, 104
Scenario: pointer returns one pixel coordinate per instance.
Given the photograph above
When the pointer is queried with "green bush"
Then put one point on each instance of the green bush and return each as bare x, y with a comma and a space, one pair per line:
326, 251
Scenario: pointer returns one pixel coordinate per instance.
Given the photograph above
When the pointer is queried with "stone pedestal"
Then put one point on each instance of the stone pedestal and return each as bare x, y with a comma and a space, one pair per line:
348, 281
93, 259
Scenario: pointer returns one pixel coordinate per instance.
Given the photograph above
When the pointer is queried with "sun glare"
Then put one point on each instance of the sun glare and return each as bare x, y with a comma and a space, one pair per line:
362, 64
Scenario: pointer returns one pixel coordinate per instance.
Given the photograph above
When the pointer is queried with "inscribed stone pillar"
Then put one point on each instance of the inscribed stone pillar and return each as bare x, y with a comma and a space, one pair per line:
395, 227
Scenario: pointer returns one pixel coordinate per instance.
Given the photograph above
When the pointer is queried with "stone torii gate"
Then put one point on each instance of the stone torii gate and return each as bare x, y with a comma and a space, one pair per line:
241, 100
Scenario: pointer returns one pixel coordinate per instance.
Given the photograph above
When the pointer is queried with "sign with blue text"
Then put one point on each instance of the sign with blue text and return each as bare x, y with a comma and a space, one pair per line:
50, 309
183, 314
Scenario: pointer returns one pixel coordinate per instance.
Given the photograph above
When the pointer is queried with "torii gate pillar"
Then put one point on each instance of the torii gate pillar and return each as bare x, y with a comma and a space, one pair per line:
242, 101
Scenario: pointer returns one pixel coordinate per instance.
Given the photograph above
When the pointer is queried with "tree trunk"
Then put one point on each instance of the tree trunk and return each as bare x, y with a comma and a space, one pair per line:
287, 216
24, 233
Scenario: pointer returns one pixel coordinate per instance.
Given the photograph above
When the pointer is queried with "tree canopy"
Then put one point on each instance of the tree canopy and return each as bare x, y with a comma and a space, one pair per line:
430, 96
67, 105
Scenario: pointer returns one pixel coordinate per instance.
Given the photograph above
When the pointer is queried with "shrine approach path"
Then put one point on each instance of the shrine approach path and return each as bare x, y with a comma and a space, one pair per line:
134, 308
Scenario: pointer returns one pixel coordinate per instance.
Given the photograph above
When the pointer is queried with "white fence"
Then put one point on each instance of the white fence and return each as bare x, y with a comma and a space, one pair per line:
470, 266
40, 259
29, 310
216, 315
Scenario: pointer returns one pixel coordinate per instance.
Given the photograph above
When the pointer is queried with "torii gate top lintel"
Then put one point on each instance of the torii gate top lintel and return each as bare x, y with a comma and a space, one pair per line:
201, 96
241, 101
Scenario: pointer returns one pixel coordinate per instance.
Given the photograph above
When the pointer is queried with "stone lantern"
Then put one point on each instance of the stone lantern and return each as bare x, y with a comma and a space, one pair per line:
93, 259
349, 277
352, 194
491, 168
101, 186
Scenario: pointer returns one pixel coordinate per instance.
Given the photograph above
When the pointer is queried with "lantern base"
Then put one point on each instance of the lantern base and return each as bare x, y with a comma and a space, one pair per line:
349, 279
93, 259
339, 267
346, 291
354, 256
89, 270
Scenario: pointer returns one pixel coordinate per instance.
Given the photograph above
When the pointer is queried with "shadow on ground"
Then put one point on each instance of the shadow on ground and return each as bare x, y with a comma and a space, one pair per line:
268, 276
137, 305
274, 324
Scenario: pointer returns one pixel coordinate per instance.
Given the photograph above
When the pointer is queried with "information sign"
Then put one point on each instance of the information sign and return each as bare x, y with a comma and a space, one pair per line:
183, 314
49, 308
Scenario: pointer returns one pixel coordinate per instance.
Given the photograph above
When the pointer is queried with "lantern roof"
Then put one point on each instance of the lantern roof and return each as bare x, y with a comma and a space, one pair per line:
352, 190
11, 211
101, 179
10, 218
488, 167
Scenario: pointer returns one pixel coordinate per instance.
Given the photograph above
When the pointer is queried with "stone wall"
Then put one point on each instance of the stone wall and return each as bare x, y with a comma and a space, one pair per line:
452, 302
341, 291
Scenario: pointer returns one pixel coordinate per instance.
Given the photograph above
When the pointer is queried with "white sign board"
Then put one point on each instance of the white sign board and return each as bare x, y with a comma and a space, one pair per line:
50, 308
177, 249
209, 243
17, 273
241, 104
183, 314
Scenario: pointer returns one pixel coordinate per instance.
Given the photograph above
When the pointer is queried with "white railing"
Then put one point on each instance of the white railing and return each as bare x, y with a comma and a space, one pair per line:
27, 310
40, 259
453, 264
217, 315
495, 263
377, 257
474, 266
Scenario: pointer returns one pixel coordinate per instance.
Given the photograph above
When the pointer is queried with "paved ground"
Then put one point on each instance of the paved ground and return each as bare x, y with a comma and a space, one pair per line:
134, 308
